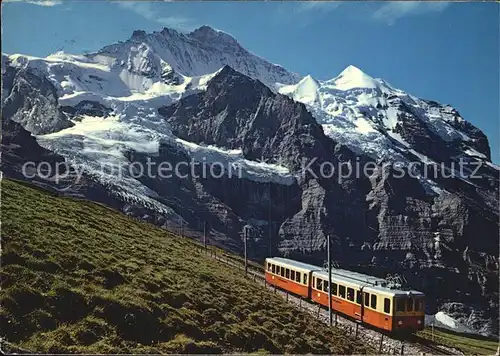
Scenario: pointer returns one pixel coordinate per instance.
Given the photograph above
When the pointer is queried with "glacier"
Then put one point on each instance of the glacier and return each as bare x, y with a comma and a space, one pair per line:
112, 97
135, 77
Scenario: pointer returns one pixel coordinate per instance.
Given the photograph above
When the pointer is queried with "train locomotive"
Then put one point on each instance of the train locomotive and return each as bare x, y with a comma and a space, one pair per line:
364, 298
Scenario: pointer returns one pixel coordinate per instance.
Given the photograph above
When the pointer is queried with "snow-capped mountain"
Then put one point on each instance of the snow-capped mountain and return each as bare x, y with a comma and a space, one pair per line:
198, 53
369, 115
171, 96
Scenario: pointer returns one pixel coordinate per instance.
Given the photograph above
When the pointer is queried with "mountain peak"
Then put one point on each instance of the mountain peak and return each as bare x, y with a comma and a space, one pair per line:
169, 31
352, 70
139, 34
353, 77
306, 90
228, 74
205, 29
227, 70
309, 79
198, 53
207, 33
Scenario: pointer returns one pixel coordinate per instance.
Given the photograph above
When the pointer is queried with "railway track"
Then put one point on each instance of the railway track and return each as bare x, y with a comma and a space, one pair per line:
383, 343
431, 347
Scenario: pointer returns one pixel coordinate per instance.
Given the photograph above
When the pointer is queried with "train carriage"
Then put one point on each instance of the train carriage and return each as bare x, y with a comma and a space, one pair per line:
359, 296
290, 275
408, 310
346, 295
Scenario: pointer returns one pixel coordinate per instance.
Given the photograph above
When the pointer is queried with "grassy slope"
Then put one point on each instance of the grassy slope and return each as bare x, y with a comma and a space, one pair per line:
79, 277
469, 344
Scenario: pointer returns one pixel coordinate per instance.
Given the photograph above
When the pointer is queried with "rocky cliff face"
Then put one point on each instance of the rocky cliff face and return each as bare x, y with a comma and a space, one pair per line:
239, 112
172, 97
379, 221
197, 53
32, 102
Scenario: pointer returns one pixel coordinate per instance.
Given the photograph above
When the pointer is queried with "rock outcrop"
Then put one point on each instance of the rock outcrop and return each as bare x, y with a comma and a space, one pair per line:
380, 222
31, 101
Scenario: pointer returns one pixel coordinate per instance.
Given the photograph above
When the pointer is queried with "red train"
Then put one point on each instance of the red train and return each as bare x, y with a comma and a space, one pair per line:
359, 296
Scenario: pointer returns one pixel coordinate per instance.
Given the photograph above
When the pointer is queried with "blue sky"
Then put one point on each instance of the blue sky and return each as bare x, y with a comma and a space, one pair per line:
441, 51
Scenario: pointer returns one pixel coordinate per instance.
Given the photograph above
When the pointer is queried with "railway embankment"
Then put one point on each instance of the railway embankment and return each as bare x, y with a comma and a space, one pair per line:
78, 277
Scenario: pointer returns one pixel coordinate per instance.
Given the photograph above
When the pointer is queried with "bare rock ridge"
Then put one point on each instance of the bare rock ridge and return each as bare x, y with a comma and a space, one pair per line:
202, 51
32, 101
239, 112
175, 97
373, 220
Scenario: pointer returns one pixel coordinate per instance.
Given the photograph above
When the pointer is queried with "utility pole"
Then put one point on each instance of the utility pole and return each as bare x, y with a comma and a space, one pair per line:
269, 225
245, 228
329, 281
205, 235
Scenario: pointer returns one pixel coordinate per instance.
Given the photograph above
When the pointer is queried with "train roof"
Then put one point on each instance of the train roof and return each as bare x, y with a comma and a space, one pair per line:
369, 283
359, 277
375, 284
340, 279
351, 277
395, 292
293, 263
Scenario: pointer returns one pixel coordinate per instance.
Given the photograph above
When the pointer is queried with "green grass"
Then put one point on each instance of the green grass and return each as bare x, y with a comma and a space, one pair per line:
252, 265
78, 277
469, 344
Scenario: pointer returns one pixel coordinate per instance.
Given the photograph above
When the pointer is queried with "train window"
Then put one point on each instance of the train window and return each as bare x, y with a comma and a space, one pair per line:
292, 275
297, 277
400, 305
268, 266
319, 284
350, 294
287, 273
305, 278
325, 286
373, 301
334, 288
358, 297
367, 299
416, 305
419, 305
409, 305
387, 305
273, 268
341, 291
282, 270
